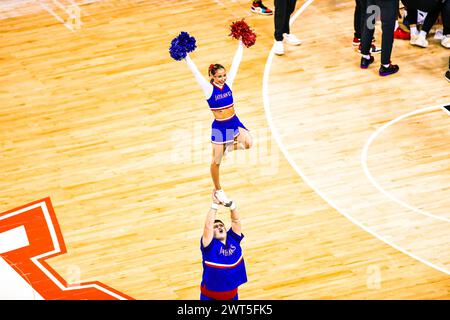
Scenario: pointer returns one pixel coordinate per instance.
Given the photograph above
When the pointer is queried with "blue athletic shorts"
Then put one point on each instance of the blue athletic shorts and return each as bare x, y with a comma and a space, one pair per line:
225, 131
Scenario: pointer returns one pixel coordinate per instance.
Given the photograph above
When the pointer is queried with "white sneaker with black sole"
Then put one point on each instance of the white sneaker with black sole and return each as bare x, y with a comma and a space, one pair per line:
222, 197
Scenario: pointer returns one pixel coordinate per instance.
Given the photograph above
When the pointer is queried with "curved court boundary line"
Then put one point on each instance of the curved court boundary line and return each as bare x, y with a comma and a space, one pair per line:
276, 135
365, 152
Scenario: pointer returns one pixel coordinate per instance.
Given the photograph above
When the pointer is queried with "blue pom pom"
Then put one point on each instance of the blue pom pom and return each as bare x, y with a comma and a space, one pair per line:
181, 45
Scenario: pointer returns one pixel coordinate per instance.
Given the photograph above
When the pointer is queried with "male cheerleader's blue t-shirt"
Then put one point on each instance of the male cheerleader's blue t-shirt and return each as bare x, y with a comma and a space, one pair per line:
220, 98
223, 264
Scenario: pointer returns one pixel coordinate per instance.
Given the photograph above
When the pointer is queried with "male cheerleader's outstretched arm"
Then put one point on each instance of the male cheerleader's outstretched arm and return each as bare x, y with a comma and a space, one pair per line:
205, 85
235, 219
235, 64
208, 231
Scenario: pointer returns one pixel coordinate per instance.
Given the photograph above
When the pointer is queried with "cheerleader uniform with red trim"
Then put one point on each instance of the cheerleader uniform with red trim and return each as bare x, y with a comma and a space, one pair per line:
223, 130
223, 268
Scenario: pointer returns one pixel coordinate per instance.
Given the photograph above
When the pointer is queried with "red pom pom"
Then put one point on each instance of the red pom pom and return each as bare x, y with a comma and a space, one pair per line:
241, 30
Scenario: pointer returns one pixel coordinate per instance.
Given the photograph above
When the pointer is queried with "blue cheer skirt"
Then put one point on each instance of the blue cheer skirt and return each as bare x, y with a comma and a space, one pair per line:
225, 131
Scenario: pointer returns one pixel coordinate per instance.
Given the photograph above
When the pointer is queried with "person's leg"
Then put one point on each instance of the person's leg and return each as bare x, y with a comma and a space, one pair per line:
446, 17
373, 48
411, 9
357, 21
368, 28
218, 150
217, 154
445, 42
388, 18
245, 140
412, 16
280, 18
431, 19
290, 7
288, 37
420, 38
362, 16
412, 21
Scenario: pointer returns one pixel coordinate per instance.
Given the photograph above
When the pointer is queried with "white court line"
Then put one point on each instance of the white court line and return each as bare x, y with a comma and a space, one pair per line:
60, 5
364, 155
276, 135
56, 16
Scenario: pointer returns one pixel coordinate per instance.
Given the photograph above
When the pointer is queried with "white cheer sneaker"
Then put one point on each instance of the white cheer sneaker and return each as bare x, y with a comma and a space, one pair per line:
292, 39
278, 48
222, 197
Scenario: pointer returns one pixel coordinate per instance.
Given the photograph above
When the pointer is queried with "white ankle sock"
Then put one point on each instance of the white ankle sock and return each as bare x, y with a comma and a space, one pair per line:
366, 56
386, 65
422, 34
414, 31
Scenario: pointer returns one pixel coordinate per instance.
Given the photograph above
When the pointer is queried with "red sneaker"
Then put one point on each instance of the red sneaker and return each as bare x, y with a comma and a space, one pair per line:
259, 7
402, 35
357, 41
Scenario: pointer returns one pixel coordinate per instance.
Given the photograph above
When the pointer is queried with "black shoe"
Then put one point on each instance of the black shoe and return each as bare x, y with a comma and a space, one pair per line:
386, 71
365, 63
447, 75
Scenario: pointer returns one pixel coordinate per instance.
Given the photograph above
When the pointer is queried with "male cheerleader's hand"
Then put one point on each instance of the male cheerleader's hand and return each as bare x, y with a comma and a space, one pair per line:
215, 202
233, 205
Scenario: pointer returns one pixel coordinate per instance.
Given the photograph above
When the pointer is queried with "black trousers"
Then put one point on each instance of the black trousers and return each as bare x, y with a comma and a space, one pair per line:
358, 19
389, 9
423, 5
283, 11
433, 8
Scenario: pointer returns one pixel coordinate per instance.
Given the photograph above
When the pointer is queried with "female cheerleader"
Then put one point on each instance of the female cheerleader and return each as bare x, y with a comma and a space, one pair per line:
228, 132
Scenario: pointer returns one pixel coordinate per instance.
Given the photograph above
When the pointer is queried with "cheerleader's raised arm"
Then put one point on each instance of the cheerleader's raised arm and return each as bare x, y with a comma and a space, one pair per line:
235, 64
206, 86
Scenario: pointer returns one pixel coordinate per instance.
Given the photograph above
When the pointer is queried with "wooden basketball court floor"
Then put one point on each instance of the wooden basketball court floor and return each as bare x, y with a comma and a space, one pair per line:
345, 194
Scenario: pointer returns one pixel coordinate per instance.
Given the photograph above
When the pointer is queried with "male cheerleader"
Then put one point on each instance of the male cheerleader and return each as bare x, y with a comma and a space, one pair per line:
223, 262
